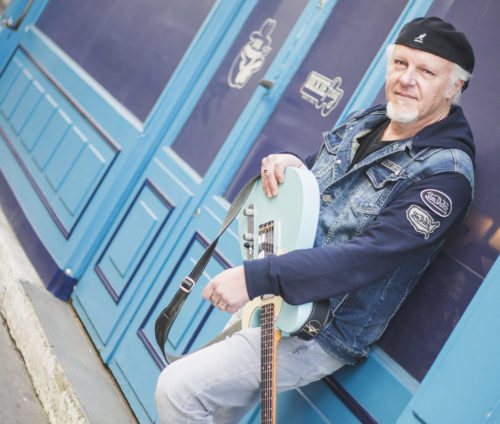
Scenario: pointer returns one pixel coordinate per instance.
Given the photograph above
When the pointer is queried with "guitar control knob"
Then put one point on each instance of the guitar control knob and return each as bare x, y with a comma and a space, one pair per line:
248, 212
248, 236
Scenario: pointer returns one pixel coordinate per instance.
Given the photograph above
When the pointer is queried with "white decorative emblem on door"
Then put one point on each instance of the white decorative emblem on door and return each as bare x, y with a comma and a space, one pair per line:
251, 57
324, 93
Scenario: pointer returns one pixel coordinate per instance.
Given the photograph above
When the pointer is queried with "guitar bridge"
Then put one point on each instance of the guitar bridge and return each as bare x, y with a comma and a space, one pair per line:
269, 235
267, 240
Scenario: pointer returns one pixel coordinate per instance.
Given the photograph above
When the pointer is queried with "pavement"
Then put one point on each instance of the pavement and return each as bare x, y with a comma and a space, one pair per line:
50, 371
18, 399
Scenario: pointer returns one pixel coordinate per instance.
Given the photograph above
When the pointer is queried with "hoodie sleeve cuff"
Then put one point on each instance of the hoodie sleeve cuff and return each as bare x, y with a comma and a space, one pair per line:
257, 277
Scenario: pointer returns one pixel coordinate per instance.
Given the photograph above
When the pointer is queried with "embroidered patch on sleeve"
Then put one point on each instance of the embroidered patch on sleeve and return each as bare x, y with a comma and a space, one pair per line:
421, 220
437, 202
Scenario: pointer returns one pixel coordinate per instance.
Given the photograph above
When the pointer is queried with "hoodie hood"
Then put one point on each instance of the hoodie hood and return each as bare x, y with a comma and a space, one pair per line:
452, 132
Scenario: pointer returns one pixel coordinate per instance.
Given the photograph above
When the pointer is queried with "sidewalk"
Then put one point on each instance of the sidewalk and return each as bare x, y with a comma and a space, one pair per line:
50, 371
18, 400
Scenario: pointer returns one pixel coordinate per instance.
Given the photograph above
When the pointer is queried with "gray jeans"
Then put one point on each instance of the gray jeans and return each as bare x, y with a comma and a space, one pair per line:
221, 383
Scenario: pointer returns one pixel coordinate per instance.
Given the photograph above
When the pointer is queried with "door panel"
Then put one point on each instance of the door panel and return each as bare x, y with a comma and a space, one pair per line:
235, 82
324, 83
106, 290
140, 226
63, 156
462, 385
122, 43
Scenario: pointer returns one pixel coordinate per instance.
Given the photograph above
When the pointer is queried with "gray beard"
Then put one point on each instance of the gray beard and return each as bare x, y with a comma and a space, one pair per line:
401, 117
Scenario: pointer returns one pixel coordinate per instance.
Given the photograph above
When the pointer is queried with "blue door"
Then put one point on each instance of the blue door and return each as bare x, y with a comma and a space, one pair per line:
81, 89
169, 219
124, 150
207, 153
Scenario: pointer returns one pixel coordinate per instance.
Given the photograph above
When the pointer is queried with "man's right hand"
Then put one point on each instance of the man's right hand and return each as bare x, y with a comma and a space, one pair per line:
272, 171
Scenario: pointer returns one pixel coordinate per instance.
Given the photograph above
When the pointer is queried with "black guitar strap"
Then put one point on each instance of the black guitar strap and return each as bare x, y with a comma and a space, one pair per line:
165, 320
315, 322
168, 315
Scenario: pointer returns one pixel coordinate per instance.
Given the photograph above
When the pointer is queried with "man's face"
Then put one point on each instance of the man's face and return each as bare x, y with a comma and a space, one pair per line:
418, 86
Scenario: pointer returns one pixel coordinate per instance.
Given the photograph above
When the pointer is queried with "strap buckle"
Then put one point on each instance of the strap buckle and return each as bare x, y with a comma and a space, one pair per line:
187, 284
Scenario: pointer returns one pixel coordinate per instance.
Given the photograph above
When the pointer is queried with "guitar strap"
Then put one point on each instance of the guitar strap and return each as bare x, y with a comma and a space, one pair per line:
315, 322
168, 315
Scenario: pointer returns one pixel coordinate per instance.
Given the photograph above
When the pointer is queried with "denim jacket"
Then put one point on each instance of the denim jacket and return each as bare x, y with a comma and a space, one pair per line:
381, 224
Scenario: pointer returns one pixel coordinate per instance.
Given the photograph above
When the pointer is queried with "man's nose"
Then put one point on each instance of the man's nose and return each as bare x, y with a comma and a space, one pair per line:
408, 77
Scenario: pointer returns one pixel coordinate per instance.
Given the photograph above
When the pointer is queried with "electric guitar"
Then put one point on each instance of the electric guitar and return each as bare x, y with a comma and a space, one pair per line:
275, 226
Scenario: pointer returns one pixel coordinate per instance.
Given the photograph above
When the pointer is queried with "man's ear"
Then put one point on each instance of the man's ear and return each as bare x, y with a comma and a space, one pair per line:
455, 89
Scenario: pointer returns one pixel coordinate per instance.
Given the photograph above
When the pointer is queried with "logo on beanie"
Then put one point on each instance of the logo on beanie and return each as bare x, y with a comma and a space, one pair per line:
420, 38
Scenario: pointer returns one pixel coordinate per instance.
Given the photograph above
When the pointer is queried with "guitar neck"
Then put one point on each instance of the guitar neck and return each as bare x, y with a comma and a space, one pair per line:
270, 338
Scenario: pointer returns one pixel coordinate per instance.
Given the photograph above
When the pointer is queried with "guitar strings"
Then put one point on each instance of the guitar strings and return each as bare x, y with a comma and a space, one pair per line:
266, 247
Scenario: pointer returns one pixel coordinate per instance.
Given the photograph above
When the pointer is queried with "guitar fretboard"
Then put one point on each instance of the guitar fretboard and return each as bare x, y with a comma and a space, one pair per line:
267, 338
267, 360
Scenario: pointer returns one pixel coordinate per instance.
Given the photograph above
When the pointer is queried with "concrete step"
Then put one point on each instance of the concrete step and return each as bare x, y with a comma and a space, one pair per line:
70, 380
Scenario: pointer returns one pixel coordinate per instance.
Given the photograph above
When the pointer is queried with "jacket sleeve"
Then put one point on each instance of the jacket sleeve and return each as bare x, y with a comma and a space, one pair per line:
308, 160
421, 216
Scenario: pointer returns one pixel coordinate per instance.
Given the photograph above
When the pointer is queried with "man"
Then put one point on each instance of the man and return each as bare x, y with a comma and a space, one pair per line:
394, 181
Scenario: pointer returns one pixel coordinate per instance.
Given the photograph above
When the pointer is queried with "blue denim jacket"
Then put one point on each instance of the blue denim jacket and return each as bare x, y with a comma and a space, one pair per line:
381, 224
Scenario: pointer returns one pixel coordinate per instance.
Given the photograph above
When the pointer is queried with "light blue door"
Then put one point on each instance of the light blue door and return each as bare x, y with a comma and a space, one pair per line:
179, 201
82, 109
169, 217
124, 148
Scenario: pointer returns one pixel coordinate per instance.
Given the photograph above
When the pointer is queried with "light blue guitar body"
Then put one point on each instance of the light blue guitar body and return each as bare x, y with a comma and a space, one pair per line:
276, 226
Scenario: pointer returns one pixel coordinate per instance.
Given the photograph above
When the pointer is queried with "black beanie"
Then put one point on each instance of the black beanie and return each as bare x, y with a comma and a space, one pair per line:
438, 37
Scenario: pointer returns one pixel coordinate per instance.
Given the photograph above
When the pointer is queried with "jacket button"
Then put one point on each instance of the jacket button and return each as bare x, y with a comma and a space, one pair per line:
326, 198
